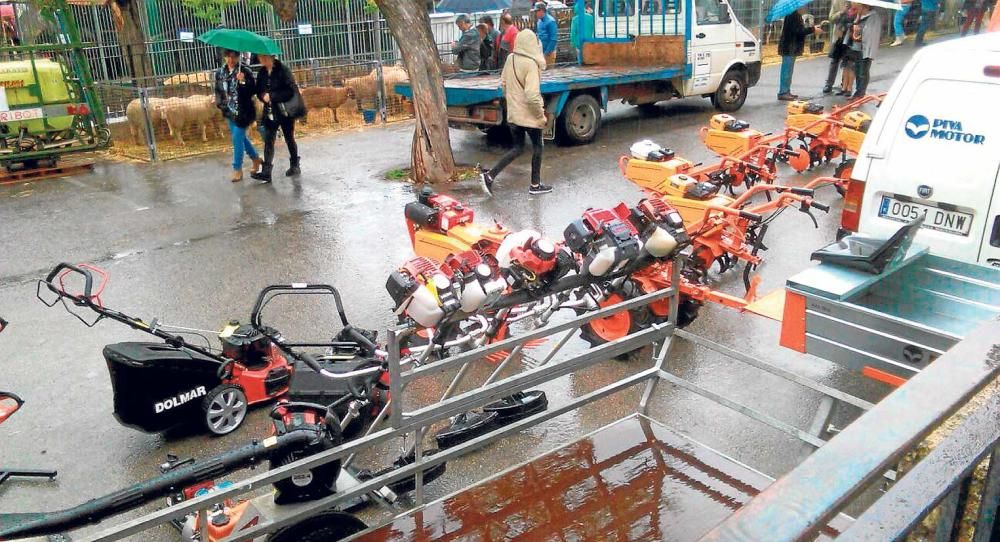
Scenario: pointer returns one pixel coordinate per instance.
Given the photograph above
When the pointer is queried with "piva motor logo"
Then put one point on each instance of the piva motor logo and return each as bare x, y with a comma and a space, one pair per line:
919, 126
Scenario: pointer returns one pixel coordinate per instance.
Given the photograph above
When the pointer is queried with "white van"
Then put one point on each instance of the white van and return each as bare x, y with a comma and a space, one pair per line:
934, 147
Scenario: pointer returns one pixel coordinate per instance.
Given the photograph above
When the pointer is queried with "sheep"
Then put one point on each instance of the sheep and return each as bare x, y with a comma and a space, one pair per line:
179, 112
323, 97
366, 87
137, 120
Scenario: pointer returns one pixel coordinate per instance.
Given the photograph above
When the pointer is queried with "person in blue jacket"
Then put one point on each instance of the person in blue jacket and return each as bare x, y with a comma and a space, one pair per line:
548, 32
928, 13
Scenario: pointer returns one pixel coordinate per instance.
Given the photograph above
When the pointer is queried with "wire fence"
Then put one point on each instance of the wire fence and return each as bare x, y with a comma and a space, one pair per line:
344, 58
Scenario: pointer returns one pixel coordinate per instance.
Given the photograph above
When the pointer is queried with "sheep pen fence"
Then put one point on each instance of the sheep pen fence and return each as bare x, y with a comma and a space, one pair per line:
176, 117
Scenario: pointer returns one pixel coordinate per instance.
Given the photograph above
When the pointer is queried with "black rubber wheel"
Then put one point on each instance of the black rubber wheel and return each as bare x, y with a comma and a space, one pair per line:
323, 527
579, 121
224, 409
844, 171
732, 91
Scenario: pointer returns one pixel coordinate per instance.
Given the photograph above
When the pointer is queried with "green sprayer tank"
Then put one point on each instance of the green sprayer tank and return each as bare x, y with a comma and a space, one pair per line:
31, 87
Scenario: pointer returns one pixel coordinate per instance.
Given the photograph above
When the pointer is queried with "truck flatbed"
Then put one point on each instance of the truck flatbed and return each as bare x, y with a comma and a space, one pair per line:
471, 89
634, 480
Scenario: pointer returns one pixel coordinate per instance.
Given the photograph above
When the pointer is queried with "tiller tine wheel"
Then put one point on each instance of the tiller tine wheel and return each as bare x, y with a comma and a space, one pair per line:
497, 357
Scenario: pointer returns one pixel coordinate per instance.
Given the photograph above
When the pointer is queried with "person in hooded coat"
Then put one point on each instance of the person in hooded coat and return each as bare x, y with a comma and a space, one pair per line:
521, 83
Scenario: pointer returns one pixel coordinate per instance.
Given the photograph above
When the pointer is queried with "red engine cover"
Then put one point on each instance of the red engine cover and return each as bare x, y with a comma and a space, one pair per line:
451, 212
597, 218
655, 207
422, 269
533, 260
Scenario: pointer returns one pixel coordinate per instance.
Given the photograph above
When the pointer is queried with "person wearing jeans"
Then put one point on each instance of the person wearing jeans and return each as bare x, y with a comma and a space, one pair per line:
928, 13
897, 22
791, 45
867, 33
521, 82
234, 91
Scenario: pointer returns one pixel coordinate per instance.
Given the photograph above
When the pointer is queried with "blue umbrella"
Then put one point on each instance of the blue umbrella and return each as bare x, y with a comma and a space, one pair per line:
472, 6
781, 8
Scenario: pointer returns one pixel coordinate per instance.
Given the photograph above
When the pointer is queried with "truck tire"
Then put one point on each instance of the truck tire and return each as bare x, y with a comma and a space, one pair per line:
732, 91
579, 121
323, 527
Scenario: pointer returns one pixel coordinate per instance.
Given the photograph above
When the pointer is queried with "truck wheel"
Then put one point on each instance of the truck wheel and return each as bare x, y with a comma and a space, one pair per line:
323, 527
732, 91
580, 120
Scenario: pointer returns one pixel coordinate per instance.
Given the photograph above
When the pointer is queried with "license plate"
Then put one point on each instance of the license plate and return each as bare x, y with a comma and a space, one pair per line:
21, 114
953, 222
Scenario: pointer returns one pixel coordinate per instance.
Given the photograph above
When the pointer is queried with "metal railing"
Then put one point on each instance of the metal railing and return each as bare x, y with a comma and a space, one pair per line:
967, 376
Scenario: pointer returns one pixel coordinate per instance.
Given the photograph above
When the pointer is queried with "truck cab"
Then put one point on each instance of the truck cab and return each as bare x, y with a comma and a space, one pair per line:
933, 150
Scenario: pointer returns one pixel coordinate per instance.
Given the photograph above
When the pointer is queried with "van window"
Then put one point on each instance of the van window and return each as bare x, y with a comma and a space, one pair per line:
612, 8
711, 12
658, 7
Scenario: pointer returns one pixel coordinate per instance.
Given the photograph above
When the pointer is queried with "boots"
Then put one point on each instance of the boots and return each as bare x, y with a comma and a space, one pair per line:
255, 167
237, 175
264, 175
293, 167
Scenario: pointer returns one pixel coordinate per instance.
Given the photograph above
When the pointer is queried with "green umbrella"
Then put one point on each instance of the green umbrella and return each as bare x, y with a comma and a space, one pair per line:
240, 40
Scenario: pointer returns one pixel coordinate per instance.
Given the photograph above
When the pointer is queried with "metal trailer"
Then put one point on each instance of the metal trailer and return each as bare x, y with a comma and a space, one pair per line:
892, 325
638, 479
641, 55
49, 106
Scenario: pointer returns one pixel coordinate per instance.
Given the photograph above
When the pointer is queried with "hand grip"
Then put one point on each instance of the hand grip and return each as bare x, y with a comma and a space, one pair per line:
751, 216
799, 191
821, 206
310, 361
88, 286
361, 339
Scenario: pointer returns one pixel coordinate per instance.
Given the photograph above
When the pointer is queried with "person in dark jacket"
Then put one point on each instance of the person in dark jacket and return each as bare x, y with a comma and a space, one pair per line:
466, 49
276, 85
790, 46
493, 37
234, 91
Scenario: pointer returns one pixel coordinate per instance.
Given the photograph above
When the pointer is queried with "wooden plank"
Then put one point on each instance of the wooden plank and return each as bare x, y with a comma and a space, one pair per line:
642, 51
38, 174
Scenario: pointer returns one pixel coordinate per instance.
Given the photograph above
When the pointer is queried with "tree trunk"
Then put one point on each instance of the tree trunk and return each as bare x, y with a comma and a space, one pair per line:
431, 159
128, 18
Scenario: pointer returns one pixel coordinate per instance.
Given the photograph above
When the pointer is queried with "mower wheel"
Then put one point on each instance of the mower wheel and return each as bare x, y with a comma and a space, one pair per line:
732, 91
323, 527
225, 408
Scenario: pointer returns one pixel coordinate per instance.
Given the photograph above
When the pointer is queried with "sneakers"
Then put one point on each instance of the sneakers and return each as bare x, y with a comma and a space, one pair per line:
897, 42
485, 180
786, 97
536, 189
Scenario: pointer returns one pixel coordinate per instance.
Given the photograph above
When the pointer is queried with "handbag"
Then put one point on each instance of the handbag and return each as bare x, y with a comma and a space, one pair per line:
294, 108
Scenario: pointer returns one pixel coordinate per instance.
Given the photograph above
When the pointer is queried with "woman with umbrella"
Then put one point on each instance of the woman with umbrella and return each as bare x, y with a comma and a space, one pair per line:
234, 91
277, 90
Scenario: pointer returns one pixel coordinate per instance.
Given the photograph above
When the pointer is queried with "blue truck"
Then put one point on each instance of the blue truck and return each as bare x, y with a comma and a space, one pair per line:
642, 52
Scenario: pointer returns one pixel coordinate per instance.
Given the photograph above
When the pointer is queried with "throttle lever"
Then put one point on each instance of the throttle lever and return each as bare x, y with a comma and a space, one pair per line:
804, 207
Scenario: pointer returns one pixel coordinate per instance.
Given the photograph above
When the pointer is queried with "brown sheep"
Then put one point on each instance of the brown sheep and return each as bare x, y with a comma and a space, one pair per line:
366, 89
323, 97
137, 121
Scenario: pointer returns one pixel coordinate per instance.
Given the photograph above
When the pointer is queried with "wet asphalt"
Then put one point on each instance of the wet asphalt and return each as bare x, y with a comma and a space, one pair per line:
183, 244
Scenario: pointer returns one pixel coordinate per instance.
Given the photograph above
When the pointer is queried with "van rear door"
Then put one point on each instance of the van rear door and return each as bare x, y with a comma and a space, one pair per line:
938, 153
990, 253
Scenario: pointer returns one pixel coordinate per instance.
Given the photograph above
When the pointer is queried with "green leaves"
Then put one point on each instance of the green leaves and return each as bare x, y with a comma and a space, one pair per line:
208, 10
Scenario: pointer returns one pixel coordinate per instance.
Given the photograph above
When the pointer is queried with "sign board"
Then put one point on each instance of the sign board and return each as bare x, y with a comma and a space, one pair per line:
305, 29
21, 114
187, 37
3, 99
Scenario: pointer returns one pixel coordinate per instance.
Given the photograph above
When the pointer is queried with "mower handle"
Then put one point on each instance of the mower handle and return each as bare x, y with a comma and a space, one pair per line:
8, 395
295, 288
88, 287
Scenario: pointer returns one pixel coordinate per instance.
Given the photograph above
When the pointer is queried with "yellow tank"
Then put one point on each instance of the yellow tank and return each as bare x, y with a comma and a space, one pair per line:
727, 136
692, 210
852, 134
798, 107
857, 120
655, 176
438, 246
25, 92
